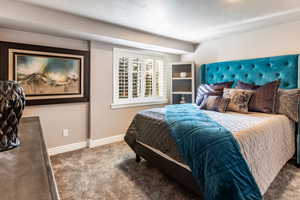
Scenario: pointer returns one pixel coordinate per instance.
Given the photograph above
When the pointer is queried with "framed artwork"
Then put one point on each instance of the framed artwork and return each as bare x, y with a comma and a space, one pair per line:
48, 75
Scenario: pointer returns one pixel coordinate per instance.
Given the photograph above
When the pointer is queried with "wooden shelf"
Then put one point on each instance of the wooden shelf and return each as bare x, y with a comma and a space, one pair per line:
182, 92
182, 87
179, 78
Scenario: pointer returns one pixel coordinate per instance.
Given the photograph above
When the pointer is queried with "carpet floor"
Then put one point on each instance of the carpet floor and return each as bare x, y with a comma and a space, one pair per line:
110, 173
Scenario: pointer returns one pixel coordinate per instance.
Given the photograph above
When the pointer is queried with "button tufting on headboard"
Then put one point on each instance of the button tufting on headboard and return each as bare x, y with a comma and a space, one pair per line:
258, 71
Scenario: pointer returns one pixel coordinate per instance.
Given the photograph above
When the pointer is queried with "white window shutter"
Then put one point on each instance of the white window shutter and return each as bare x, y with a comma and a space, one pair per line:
148, 77
159, 78
138, 78
123, 69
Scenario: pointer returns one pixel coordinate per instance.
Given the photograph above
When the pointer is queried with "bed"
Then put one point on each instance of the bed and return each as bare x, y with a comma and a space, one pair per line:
267, 141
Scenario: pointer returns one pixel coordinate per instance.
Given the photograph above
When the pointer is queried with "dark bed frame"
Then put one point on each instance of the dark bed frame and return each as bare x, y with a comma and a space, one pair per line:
176, 172
266, 68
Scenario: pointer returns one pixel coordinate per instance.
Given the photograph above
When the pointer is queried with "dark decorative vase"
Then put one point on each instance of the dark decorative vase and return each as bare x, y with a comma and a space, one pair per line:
12, 102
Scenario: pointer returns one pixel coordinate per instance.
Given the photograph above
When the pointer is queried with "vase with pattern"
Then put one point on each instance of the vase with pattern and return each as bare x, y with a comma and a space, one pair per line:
12, 102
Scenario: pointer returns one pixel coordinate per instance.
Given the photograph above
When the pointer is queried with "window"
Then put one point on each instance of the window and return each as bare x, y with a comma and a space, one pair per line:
138, 78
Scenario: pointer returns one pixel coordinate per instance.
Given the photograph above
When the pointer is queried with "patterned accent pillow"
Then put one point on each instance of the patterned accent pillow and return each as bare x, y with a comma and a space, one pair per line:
288, 103
205, 90
239, 99
216, 103
264, 99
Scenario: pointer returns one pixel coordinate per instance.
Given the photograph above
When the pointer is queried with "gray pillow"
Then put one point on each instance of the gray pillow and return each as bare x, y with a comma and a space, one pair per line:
288, 102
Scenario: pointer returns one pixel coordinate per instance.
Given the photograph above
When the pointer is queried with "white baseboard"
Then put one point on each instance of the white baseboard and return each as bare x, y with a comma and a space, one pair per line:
103, 141
90, 143
67, 148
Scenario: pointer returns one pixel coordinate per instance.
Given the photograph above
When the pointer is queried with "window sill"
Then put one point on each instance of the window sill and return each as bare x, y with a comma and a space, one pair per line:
135, 104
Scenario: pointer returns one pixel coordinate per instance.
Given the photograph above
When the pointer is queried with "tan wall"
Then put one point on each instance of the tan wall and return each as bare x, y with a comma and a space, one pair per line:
106, 122
103, 121
270, 41
54, 118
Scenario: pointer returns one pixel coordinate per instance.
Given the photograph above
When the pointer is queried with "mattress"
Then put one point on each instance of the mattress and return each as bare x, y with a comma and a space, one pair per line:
267, 141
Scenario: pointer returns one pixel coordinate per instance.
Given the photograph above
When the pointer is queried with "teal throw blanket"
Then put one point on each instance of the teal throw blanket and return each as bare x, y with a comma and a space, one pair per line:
212, 153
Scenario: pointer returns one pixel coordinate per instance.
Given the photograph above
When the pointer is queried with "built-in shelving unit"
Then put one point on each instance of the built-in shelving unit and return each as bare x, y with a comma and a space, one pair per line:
182, 83
182, 78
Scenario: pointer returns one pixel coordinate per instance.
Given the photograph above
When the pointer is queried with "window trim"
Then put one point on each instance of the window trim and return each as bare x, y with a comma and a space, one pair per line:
117, 103
137, 104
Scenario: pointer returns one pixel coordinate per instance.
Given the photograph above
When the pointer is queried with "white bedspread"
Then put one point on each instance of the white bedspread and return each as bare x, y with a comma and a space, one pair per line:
267, 141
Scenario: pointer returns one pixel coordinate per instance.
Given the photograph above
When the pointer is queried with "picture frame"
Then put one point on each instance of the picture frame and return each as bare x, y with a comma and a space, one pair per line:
48, 75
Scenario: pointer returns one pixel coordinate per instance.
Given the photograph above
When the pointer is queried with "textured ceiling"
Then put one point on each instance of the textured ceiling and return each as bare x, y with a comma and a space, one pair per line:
189, 20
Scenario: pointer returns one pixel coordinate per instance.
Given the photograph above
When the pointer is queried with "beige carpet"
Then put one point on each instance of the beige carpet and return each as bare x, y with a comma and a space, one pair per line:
111, 173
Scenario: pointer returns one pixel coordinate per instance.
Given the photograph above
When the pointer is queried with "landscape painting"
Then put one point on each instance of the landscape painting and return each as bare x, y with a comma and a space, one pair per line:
42, 75
48, 75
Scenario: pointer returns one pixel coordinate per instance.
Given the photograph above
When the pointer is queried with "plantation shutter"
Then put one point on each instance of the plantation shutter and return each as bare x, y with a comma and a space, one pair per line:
159, 78
138, 78
148, 77
123, 77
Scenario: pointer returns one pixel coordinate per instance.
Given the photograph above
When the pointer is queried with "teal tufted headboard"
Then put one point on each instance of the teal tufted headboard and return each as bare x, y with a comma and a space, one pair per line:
256, 71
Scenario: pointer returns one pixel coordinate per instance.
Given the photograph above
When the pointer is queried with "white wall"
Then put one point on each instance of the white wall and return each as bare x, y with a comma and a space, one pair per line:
270, 41
23, 16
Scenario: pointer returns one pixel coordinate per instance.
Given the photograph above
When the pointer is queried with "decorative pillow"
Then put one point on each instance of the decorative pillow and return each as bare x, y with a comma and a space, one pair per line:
216, 103
225, 84
288, 103
239, 99
264, 99
246, 86
205, 90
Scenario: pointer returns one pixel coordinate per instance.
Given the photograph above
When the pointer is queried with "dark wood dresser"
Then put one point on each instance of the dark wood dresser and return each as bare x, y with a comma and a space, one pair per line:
25, 172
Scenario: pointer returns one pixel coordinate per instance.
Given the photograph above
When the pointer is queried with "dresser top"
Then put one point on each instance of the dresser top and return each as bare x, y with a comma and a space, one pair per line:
26, 170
